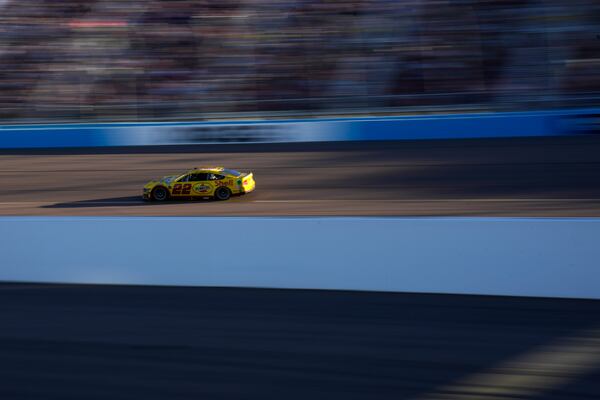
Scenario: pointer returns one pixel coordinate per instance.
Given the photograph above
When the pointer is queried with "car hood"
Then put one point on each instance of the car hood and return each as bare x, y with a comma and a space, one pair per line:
165, 180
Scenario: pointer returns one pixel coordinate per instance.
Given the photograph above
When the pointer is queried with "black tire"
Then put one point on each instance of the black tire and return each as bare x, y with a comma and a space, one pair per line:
160, 194
222, 193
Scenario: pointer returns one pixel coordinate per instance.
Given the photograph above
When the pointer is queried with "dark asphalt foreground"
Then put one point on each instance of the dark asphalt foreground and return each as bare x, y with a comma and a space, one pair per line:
549, 176
118, 342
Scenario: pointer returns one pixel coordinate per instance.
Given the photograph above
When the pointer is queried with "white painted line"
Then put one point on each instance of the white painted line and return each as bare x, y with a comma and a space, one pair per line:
81, 202
9, 203
427, 200
498, 200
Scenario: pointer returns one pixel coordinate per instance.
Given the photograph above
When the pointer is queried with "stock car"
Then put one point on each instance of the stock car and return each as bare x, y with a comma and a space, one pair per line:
218, 183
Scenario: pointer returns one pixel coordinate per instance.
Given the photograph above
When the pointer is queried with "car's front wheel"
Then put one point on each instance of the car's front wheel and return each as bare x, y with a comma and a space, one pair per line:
160, 194
222, 193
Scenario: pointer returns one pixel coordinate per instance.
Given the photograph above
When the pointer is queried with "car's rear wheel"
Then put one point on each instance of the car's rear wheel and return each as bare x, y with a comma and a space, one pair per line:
222, 193
160, 194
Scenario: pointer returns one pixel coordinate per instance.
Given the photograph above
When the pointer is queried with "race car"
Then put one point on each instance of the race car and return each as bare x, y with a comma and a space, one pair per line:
218, 183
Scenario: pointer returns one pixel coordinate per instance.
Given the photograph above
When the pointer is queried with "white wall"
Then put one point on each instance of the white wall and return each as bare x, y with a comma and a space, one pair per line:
525, 257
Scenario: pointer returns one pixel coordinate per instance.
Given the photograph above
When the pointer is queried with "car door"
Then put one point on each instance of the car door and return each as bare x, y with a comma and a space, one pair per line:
182, 187
200, 186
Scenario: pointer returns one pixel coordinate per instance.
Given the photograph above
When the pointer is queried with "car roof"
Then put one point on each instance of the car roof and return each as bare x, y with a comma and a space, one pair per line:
206, 169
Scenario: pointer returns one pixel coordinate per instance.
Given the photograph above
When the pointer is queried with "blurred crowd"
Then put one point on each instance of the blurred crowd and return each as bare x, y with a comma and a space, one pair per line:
139, 59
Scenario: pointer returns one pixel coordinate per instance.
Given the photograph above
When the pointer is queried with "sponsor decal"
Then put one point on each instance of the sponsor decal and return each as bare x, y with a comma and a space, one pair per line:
201, 188
224, 182
167, 179
250, 133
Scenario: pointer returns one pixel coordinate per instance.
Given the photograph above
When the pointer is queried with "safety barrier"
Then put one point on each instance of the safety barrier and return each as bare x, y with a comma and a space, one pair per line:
494, 256
549, 123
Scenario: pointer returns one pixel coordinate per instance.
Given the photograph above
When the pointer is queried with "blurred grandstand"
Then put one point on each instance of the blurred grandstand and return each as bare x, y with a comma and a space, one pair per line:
69, 60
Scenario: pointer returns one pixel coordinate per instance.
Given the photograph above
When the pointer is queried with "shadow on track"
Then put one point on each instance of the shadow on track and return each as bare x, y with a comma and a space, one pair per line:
67, 341
132, 201
127, 201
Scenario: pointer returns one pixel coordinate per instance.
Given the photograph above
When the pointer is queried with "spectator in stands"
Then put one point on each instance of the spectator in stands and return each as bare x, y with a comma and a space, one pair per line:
64, 59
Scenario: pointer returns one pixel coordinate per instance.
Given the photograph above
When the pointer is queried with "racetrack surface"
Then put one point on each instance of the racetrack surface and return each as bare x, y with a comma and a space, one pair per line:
119, 342
549, 176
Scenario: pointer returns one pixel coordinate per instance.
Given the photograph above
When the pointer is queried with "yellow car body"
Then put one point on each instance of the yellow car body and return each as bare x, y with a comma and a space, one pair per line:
218, 182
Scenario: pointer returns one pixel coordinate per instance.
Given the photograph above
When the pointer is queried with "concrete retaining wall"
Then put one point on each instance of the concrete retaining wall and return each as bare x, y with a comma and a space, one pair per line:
522, 257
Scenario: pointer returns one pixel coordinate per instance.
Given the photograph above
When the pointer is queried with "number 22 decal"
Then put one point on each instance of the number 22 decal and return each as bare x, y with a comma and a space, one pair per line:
182, 189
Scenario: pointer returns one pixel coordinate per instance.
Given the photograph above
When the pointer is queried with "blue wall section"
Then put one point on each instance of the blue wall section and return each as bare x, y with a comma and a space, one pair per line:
56, 137
458, 127
481, 125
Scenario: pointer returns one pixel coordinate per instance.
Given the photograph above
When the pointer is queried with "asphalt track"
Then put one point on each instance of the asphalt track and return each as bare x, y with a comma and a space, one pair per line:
111, 342
549, 176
